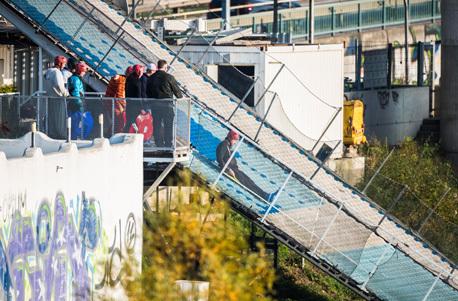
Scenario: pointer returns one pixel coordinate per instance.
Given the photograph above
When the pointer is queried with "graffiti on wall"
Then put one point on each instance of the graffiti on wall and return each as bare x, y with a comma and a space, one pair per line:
50, 254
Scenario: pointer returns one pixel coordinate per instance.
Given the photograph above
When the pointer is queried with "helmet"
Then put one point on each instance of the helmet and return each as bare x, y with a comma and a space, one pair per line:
233, 135
138, 69
80, 68
60, 61
129, 70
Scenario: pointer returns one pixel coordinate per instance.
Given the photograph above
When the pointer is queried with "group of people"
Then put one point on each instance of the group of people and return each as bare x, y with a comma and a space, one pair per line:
130, 92
64, 79
136, 93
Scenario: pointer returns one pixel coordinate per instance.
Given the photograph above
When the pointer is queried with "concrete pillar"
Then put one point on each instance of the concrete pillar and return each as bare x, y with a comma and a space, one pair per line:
449, 80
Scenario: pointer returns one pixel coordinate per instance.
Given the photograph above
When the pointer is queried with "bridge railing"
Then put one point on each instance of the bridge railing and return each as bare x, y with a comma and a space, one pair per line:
336, 18
164, 123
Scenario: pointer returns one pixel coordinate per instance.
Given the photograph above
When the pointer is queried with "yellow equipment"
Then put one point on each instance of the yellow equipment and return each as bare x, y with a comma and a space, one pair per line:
353, 122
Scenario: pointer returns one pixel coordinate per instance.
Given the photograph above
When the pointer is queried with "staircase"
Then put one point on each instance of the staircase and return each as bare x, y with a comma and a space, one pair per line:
316, 213
429, 131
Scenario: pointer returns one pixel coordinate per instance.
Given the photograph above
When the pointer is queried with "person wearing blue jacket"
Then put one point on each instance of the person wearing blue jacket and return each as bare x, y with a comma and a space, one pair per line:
81, 121
76, 88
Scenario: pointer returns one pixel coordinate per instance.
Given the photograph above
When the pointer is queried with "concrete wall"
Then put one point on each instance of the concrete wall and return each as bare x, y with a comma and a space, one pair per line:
393, 115
69, 219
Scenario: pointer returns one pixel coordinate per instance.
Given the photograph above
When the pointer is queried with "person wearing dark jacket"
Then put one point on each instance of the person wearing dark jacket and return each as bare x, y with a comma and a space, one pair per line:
134, 89
224, 152
163, 85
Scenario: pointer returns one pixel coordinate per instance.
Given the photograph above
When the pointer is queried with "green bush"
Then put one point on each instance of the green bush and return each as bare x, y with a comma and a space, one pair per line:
8, 89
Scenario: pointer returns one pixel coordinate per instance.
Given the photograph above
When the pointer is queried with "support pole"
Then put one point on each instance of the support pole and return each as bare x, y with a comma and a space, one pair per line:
270, 85
69, 129
324, 161
431, 211
359, 59
431, 288
327, 230
265, 117
40, 69
243, 98
396, 200
276, 197
420, 63
406, 40
326, 129
101, 125
183, 46
311, 21
227, 163
377, 171
275, 33
379, 261
226, 14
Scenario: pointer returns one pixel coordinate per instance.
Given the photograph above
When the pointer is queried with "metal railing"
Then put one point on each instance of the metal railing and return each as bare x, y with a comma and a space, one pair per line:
339, 17
165, 123
278, 201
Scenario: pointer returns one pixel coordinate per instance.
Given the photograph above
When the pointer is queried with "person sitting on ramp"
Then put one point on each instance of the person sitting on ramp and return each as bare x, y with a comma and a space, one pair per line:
224, 152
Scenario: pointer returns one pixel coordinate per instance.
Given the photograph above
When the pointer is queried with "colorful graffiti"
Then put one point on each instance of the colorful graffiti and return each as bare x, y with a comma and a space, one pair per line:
49, 255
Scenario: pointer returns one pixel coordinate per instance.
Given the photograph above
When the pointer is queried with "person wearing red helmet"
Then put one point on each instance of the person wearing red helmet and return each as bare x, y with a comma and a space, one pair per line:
224, 152
55, 88
76, 88
134, 89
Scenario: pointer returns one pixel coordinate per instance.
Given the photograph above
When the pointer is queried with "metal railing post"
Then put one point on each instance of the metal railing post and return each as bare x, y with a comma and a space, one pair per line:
396, 200
50, 13
377, 171
270, 84
327, 230
432, 210
210, 45
83, 23
112, 117
326, 129
227, 163
243, 98
276, 197
182, 47
108, 52
265, 117
430, 290
69, 129
324, 161
371, 273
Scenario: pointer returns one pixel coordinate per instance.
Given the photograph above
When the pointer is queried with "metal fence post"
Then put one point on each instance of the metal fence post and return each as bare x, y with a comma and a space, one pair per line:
243, 98
276, 197
270, 85
432, 210
109, 50
379, 261
326, 129
112, 116
430, 290
324, 161
183, 46
420, 63
50, 13
265, 117
227, 163
377, 171
327, 230
396, 200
